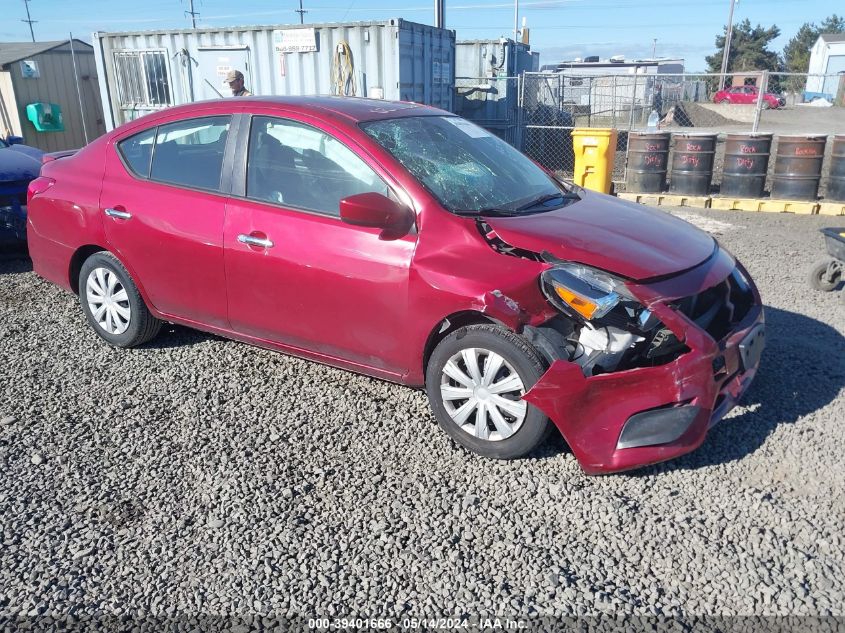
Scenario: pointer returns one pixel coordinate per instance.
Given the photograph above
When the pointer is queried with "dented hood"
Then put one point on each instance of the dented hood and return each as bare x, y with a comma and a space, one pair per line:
605, 232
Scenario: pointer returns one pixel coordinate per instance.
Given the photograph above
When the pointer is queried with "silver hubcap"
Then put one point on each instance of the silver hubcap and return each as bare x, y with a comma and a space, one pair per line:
108, 301
482, 394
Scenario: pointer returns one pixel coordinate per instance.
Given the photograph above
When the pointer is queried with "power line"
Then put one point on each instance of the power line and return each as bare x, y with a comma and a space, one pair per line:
29, 19
301, 13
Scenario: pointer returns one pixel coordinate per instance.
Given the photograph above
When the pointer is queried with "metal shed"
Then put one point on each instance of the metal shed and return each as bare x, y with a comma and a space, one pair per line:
43, 72
145, 71
827, 60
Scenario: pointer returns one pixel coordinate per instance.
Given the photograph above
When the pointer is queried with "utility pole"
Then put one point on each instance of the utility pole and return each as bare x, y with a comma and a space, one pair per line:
440, 14
301, 13
29, 19
515, 20
727, 51
192, 13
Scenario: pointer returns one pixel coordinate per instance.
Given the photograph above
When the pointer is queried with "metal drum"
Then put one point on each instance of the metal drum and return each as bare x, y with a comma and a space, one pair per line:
836, 181
746, 165
648, 157
798, 167
692, 163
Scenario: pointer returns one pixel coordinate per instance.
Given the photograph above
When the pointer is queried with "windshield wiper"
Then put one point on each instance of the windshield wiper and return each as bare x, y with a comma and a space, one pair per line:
548, 198
493, 212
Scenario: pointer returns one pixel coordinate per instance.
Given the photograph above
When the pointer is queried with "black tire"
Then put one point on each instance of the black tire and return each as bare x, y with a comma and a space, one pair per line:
142, 327
528, 365
818, 277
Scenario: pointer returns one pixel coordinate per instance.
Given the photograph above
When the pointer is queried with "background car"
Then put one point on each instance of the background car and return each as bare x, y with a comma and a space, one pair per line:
406, 243
19, 165
747, 95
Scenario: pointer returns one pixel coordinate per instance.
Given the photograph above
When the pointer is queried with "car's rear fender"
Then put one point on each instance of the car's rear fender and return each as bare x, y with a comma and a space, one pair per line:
65, 218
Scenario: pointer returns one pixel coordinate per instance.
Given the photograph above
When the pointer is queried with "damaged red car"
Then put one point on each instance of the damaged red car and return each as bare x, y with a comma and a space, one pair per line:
405, 243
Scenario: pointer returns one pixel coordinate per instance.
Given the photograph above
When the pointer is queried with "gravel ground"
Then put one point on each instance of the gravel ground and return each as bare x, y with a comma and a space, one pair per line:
202, 476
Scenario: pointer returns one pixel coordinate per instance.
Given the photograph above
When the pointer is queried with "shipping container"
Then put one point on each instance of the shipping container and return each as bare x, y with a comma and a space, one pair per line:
494, 58
487, 85
142, 72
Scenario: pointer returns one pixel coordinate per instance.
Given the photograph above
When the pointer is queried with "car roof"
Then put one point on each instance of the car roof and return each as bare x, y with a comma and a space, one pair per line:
348, 109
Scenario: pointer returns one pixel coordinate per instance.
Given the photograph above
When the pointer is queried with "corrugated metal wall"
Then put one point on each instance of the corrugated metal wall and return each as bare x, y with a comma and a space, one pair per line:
403, 59
56, 84
9, 120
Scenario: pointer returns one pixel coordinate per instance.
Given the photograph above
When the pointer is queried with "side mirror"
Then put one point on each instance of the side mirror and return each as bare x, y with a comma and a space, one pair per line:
376, 211
14, 140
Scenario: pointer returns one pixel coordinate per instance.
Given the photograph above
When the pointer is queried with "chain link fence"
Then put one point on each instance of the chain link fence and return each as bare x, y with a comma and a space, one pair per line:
537, 112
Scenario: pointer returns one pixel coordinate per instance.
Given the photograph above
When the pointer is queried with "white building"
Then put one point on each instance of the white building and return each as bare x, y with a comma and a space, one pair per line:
618, 65
827, 57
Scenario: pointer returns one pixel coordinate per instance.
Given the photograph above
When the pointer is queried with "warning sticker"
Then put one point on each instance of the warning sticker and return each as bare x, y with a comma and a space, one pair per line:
470, 129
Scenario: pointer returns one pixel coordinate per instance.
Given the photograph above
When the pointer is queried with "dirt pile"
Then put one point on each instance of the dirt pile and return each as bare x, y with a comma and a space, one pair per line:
692, 114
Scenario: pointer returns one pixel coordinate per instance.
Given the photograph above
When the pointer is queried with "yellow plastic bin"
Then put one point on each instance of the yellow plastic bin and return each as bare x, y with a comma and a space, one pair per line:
595, 150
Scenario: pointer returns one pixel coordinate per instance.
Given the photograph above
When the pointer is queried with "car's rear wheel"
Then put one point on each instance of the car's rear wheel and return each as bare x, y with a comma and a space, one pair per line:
475, 380
112, 303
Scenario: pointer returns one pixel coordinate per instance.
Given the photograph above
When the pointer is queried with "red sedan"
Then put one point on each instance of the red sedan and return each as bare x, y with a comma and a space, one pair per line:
747, 95
408, 244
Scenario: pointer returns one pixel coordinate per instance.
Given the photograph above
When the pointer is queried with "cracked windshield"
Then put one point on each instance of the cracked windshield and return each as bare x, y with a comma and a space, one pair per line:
470, 170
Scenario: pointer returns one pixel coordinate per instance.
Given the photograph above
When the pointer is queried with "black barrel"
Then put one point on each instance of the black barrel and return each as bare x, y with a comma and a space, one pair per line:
836, 181
798, 167
648, 156
692, 163
746, 164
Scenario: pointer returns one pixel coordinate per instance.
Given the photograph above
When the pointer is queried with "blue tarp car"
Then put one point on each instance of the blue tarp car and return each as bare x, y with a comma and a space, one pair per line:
19, 164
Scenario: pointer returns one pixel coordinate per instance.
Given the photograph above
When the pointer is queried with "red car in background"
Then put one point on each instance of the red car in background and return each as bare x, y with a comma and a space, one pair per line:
747, 95
406, 243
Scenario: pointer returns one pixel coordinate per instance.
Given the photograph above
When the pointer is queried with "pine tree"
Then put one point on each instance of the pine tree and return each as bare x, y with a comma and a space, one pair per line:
749, 49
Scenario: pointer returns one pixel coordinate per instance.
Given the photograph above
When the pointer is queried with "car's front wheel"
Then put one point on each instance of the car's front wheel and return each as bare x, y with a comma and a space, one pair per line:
112, 303
475, 380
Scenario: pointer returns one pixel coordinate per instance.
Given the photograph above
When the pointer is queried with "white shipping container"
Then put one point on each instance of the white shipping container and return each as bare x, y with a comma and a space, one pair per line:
142, 72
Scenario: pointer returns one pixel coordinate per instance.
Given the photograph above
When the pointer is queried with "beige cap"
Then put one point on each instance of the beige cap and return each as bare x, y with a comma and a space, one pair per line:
233, 75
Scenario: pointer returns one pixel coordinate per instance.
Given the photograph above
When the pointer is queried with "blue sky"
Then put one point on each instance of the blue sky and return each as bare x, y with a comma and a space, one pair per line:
560, 29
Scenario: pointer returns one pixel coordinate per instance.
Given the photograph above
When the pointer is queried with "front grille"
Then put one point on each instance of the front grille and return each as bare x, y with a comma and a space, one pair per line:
719, 309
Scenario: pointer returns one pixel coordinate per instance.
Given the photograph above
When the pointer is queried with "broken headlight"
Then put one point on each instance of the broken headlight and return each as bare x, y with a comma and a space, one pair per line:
582, 291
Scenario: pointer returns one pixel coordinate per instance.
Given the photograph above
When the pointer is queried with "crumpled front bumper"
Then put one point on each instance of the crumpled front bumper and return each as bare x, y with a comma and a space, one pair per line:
592, 412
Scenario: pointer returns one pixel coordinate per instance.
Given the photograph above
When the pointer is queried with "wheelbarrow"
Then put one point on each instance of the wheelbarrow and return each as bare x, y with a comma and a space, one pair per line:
827, 273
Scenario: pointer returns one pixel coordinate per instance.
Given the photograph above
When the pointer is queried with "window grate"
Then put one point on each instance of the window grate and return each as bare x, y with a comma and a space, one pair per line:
142, 79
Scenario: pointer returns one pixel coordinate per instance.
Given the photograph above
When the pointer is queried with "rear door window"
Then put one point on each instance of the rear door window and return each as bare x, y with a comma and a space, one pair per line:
190, 153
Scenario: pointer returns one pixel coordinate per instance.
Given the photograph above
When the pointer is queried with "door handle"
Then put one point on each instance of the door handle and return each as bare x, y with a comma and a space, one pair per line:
115, 213
252, 240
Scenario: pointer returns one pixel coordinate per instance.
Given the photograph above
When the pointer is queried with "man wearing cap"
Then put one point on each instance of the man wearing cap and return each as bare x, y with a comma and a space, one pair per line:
235, 79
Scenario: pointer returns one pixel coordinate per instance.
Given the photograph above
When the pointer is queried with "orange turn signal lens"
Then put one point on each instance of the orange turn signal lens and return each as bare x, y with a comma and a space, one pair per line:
582, 306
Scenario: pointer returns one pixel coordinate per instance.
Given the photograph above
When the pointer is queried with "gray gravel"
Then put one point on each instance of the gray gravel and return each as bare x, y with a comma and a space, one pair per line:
202, 476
